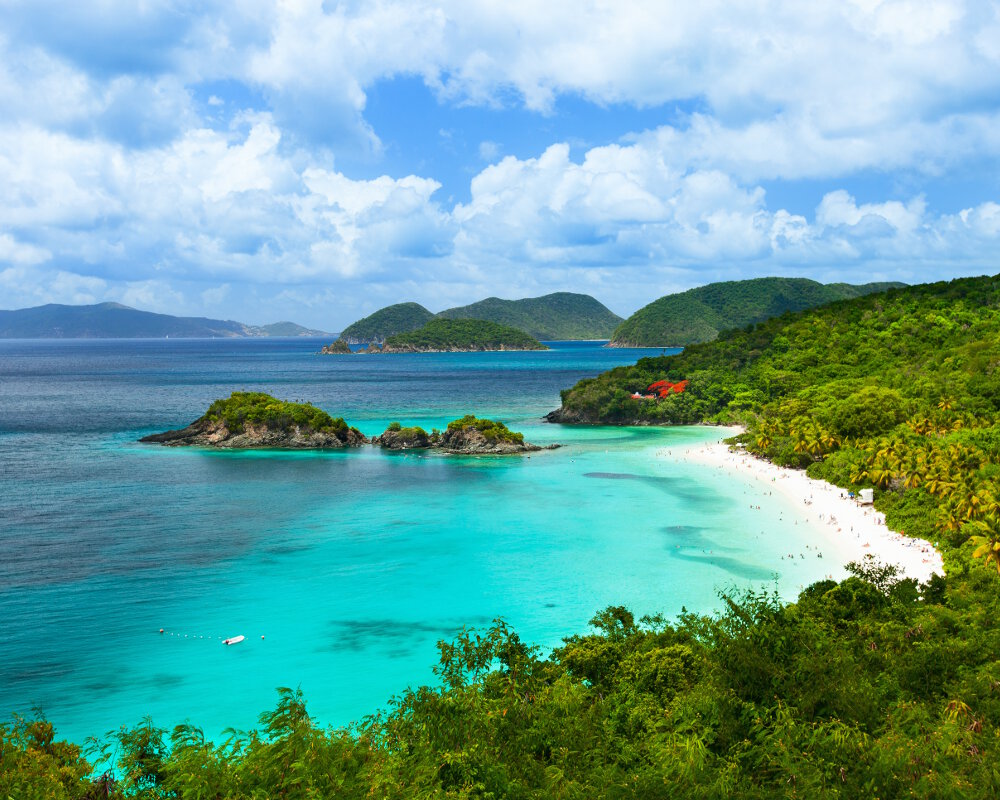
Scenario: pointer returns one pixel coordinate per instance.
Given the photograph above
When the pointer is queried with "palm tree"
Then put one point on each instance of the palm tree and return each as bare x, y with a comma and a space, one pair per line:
949, 515
938, 479
973, 498
986, 536
881, 472
920, 425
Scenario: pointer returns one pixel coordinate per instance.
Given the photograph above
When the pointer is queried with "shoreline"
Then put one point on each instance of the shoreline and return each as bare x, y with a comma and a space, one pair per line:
853, 530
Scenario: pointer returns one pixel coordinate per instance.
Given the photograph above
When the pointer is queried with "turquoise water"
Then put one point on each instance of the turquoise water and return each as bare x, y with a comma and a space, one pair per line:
342, 569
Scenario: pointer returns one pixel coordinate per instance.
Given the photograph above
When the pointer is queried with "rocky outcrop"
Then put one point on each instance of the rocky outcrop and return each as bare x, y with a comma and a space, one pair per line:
215, 433
337, 348
469, 441
459, 440
397, 438
567, 416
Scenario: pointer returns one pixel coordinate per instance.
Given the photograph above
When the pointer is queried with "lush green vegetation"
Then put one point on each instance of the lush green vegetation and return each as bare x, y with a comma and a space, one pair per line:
562, 315
698, 315
386, 322
462, 334
491, 430
873, 687
899, 391
258, 408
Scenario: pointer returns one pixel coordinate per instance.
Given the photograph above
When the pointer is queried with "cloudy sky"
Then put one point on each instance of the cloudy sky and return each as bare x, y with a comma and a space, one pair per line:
314, 161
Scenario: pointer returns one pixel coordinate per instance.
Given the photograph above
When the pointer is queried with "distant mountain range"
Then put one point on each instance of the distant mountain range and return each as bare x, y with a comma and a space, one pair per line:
115, 321
561, 315
698, 315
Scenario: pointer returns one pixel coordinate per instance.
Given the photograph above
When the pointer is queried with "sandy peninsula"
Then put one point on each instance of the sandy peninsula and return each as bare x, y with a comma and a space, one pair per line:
851, 530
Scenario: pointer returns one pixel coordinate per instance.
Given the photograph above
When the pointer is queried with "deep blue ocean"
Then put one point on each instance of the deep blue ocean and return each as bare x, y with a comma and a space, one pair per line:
342, 569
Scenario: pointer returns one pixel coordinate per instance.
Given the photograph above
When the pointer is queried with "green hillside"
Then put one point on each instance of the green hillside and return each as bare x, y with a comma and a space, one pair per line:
562, 315
386, 322
871, 687
461, 335
698, 315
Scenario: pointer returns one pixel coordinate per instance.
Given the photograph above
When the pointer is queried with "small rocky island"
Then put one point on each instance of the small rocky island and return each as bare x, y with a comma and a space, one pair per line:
461, 336
466, 436
249, 420
337, 348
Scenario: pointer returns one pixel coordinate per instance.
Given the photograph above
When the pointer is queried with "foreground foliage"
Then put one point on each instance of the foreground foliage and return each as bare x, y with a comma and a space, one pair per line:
872, 687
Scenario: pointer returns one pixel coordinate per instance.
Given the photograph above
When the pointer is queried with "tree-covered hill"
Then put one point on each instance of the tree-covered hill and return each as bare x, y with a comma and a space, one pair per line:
562, 315
698, 315
386, 322
900, 391
459, 335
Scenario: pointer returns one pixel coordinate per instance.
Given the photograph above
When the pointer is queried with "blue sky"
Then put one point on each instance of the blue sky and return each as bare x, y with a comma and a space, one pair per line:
314, 161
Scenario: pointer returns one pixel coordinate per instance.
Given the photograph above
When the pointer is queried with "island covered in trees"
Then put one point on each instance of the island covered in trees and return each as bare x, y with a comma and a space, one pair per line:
873, 686
250, 420
255, 420
460, 335
561, 315
468, 435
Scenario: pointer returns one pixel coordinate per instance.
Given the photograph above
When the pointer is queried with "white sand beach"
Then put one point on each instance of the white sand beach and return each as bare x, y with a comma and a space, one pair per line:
852, 531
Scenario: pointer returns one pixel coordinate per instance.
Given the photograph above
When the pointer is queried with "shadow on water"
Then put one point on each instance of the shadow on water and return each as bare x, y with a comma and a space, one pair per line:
733, 566
695, 496
400, 637
693, 537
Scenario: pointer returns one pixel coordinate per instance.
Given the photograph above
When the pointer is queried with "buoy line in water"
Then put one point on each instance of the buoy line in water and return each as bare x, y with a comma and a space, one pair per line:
224, 639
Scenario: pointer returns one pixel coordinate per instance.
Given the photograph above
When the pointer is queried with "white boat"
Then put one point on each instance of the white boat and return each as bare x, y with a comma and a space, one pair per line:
234, 640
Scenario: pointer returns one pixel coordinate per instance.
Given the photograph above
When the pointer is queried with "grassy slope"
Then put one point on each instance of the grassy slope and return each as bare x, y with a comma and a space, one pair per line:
698, 315
562, 315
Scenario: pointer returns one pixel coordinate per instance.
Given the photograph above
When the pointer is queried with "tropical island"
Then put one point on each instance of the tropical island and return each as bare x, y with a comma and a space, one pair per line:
698, 315
460, 336
556, 316
466, 436
552, 317
873, 686
252, 420
386, 322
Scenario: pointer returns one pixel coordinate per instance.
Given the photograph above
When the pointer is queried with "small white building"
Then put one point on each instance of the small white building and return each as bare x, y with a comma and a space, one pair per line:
866, 497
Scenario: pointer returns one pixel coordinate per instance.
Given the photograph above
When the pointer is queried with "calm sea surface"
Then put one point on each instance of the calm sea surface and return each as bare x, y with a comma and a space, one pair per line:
342, 569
